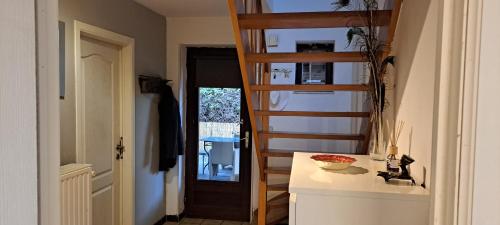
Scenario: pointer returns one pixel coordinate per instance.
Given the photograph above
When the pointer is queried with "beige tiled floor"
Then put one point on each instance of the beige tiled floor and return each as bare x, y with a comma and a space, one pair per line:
191, 221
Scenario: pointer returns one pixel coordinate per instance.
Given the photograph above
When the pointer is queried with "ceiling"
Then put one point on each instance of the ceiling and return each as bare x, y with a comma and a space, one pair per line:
187, 8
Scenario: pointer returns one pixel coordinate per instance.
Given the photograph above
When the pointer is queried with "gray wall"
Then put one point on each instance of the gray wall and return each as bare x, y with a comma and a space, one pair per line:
148, 29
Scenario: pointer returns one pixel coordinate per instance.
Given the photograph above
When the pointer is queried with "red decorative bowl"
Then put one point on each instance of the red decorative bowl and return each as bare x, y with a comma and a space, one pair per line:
333, 162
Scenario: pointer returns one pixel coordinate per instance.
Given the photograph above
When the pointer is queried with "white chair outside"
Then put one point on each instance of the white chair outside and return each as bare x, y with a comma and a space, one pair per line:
222, 153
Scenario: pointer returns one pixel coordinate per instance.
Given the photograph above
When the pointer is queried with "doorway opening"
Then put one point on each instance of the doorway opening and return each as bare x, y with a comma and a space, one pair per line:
218, 153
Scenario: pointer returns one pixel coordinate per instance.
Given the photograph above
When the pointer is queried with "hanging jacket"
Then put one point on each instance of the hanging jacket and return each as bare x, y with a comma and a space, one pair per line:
171, 140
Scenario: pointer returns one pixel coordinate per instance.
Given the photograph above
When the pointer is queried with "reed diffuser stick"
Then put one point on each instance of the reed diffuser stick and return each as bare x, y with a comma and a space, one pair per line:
397, 128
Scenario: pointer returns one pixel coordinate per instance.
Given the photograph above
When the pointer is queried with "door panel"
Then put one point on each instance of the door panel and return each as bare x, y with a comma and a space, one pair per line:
218, 157
102, 205
97, 73
100, 67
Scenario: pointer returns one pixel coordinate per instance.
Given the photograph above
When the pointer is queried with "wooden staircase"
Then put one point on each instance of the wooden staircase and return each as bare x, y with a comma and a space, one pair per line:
249, 23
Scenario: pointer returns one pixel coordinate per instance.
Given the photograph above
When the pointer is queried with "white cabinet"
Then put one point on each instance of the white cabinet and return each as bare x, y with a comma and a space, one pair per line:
355, 196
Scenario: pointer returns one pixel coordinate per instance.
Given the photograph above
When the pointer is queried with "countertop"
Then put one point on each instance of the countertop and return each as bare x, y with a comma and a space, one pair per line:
359, 180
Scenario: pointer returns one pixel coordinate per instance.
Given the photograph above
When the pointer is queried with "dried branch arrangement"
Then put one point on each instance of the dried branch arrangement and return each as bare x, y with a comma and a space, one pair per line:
366, 38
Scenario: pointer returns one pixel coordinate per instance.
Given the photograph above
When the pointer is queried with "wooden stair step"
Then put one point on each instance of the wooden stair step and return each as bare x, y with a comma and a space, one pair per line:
278, 170
280, 201
312, 136
276, 215
284, 195
286, 153
311, 114
310, 20
298, 57
277, 187
310, 87
277, 205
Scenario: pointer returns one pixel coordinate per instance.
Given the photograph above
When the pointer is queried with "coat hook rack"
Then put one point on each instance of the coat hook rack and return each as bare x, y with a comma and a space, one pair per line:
152, 84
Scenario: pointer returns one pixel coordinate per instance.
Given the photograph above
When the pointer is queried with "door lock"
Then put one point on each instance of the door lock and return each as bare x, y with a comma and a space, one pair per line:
120, 149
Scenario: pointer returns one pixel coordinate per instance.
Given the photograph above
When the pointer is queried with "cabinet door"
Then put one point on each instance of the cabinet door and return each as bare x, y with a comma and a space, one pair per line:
291, 212
358, 210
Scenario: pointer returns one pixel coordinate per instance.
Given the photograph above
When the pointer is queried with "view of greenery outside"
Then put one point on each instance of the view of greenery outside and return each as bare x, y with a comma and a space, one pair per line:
220, 105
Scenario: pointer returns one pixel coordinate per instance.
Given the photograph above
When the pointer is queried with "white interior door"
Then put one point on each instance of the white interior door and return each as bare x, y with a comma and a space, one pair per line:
102, 126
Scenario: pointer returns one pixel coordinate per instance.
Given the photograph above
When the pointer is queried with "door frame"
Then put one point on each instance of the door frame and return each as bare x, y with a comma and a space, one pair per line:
456, 116
47, 53
190, 91
128, 108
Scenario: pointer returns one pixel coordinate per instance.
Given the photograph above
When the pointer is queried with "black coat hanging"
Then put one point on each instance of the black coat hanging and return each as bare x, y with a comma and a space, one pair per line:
171, 140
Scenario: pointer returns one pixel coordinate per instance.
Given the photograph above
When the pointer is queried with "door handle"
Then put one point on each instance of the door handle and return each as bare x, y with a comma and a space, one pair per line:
246, 138
120, 149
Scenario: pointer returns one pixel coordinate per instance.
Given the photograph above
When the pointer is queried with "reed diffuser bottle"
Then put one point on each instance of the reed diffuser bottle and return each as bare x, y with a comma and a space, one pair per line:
392, 159
392, 153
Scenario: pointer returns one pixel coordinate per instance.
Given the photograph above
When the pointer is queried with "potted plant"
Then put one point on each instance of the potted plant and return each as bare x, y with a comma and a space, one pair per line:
367, 39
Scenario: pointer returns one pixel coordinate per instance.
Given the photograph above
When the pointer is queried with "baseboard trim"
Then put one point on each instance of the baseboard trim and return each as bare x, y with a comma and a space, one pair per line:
162, 221
175, 218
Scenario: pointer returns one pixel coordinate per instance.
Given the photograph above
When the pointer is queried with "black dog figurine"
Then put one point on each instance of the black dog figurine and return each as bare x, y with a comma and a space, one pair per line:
403, 175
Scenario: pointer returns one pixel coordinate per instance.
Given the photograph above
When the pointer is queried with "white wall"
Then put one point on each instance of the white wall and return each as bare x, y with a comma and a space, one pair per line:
486, 203
18, 114
182, 32
415, 72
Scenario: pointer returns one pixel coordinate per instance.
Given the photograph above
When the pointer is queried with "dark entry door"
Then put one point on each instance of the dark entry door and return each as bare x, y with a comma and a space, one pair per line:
218, 154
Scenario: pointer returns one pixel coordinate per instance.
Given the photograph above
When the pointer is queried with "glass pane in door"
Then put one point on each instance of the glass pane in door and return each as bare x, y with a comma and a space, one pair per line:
219, 111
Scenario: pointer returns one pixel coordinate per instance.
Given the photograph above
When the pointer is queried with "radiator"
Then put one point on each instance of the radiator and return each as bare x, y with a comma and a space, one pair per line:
76, 194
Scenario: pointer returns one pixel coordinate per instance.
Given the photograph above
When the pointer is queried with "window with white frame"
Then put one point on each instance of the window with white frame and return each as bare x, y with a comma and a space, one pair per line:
314, 72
